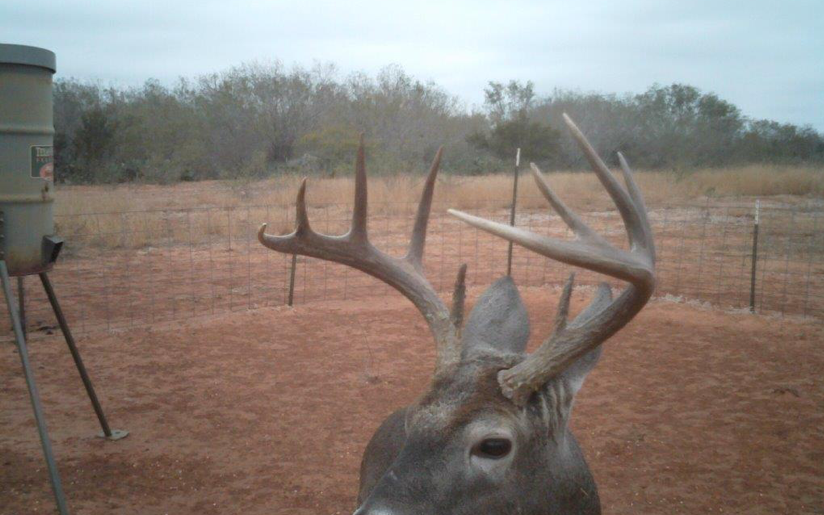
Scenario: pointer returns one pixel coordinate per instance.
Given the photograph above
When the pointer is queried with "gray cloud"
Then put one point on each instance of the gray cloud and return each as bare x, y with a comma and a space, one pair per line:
767, 57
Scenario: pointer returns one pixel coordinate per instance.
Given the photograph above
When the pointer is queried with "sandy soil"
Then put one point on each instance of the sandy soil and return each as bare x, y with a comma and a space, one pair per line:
268, 411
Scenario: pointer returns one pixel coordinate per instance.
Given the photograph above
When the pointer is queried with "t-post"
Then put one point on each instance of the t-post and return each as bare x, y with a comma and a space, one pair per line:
512, 210
754, 256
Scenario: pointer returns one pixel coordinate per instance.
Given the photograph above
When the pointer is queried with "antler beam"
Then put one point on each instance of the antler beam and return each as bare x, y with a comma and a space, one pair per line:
589, 251
355, 250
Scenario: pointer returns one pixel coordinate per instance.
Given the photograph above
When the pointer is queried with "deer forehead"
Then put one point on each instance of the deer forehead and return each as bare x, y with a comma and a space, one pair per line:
445, 419
472, 392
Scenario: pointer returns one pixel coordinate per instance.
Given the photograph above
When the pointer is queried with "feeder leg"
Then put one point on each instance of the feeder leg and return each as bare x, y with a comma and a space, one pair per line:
78, 361
21, 298
54, 475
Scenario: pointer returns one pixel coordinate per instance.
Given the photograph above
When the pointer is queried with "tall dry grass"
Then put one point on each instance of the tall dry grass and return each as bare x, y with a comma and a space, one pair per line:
578, 187
133, 215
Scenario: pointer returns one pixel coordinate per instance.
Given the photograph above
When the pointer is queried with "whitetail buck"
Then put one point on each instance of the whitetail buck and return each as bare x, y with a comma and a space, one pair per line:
491, 435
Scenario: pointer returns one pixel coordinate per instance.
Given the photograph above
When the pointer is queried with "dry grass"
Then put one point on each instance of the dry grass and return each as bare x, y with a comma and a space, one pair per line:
133, 215
761, 181
579, 188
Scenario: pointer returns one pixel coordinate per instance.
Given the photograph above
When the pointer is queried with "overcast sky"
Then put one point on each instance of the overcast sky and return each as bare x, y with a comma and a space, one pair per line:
766, 56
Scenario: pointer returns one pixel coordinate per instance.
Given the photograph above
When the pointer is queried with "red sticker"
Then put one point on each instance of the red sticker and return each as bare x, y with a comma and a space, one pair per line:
47, 171
42, 162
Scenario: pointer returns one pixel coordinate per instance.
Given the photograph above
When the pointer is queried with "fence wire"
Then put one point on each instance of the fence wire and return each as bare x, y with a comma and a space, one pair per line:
135, 269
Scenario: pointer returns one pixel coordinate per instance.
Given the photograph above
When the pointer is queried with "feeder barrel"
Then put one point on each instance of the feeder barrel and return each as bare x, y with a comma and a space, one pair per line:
27, 241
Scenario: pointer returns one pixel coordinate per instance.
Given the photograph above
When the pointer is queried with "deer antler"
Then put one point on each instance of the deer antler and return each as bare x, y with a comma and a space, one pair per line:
592, 252
355, 250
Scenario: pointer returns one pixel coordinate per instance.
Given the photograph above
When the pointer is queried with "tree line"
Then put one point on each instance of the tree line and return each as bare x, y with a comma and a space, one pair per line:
257, 120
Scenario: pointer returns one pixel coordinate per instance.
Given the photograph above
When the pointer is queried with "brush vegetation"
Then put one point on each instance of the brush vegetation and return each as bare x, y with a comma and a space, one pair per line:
264, 121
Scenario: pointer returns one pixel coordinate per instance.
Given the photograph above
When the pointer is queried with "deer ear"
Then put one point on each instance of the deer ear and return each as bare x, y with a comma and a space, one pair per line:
577, 372
498, 322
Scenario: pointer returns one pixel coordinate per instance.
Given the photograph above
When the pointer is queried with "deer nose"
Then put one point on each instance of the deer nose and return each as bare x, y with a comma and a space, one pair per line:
374, 510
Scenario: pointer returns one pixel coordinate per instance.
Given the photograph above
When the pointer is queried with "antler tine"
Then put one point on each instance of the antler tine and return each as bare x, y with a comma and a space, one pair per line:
302, 226
581, 229
587, 254
418, 241
301, 217
628, 210
599, 302
563, 305
458, 299
641, 208
354, 249
604, 316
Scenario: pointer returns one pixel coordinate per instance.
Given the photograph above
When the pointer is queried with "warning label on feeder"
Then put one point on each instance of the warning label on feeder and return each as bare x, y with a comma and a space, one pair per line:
42, 162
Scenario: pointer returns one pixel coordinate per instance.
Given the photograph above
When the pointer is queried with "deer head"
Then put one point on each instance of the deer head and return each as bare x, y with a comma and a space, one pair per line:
491, 434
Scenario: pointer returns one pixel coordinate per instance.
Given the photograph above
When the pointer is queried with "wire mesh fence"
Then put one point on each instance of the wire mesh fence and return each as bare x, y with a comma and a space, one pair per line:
134, 269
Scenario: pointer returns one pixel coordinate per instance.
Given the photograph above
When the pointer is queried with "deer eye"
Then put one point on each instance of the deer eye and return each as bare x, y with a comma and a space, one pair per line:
492, 448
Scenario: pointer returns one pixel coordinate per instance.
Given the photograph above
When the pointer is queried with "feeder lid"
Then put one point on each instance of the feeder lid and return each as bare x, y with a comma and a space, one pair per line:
27, 55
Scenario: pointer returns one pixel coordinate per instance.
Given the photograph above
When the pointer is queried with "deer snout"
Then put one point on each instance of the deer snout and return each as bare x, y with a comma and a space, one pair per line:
375, 510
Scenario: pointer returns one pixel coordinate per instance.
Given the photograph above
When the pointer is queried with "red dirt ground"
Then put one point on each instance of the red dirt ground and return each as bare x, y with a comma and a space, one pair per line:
268, 412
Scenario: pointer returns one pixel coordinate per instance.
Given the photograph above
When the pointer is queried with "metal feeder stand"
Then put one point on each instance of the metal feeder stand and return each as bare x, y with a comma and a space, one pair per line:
28, 245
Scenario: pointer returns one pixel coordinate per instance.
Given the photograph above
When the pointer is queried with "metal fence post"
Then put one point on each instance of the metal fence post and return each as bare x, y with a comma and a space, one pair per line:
754, 256
290, 300
21, 299
512, 211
